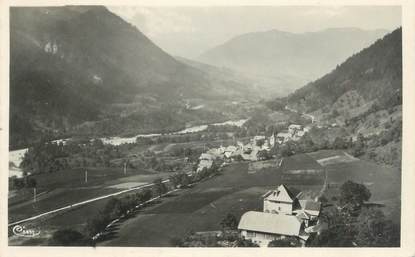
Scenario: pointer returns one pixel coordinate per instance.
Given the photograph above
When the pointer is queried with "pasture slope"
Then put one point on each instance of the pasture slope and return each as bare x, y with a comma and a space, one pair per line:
383, 182
202, 207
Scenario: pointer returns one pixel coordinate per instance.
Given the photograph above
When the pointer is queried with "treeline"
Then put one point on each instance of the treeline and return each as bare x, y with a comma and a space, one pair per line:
306, 144
212, 133
24, 182
51, 156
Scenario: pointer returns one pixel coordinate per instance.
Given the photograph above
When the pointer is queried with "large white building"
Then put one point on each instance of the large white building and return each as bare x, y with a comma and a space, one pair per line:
262, 227
284, 215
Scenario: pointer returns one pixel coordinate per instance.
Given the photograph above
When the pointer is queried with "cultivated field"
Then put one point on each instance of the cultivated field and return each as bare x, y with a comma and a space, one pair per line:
60, 189
238, 189
203, 207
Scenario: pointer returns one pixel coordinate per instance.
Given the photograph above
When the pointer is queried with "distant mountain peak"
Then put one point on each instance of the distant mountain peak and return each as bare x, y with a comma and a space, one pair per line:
278, 53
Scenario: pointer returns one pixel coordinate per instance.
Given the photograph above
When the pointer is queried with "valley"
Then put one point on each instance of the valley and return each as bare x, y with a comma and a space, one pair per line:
116, 142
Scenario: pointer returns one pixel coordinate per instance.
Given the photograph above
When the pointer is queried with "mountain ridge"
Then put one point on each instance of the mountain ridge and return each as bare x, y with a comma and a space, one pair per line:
307, 55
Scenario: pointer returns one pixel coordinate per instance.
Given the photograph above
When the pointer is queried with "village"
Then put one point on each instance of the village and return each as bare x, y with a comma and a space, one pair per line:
256, 149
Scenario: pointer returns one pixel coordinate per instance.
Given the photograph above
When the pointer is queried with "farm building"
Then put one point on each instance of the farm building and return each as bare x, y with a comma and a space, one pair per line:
280, 200
283, 137
293, 128
284, 215
262, 227
284, 201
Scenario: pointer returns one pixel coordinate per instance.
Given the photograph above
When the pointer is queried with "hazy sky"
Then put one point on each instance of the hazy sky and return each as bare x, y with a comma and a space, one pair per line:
189, 31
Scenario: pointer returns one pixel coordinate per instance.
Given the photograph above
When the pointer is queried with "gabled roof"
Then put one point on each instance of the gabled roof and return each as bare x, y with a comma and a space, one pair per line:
206, 156
284, 134
296, 126
280, 224
303, 215
281, 194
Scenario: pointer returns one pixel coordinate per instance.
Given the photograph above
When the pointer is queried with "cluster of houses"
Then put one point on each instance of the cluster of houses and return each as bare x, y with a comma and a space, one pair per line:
294, 132
249, 151
284, 215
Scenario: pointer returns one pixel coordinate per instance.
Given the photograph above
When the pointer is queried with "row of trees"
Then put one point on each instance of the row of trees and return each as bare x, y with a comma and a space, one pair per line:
117, 207
120, 207
24, 182
210, 134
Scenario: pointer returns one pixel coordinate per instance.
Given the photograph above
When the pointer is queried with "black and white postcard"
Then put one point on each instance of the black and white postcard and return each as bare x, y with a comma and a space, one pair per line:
208, 125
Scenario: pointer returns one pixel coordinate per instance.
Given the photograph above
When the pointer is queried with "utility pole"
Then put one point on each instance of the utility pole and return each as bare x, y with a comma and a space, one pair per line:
125, 168
34, 194
86, 176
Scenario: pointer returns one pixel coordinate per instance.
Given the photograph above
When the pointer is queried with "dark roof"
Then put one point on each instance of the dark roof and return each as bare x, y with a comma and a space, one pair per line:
281, 194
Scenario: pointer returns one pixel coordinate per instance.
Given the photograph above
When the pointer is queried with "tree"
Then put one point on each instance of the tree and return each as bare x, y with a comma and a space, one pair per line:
144, 196
260, 142
184, 179
240, 242
354, 193
113, 208
30, 182
375, 230
68, 237
263, 155
286, 150
358, 146
286, 242
159, 187
229, 222
340, 232
339, 143
96, 224
175, 180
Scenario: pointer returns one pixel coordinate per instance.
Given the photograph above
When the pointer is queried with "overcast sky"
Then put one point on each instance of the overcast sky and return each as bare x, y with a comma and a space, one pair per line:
189, 31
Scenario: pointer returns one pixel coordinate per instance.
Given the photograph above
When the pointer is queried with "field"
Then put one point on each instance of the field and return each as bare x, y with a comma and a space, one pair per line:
383, 182
236, 190
203, 207
60, 189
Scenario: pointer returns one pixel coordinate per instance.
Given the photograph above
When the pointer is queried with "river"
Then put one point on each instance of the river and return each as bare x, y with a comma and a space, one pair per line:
16, 156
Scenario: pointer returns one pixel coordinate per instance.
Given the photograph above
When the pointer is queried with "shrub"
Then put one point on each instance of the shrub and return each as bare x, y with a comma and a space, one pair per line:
68, 237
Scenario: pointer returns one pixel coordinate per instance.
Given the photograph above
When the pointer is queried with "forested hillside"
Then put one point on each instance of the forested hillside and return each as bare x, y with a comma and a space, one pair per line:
375, 74
364, 96
71, 65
